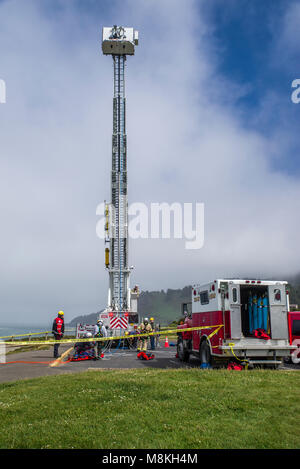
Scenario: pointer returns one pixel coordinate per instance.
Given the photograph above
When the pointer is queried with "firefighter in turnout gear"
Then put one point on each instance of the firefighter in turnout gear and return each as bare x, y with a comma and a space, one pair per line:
58, 329
143, 341
100, 331
152, 337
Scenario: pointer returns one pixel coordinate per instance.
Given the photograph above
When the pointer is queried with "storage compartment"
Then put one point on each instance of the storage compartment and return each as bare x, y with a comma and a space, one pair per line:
255, 309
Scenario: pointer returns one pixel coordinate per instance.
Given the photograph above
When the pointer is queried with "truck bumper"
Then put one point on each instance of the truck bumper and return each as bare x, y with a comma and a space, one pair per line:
257, 348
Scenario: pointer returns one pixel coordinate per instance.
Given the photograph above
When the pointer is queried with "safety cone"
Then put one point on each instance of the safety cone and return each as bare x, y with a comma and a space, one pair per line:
166, 342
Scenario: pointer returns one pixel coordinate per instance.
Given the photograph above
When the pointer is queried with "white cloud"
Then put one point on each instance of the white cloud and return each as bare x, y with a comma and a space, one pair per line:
287, 38
185, 144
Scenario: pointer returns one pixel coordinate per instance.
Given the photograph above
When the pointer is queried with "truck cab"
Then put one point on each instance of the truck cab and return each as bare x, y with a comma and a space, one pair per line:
238, 319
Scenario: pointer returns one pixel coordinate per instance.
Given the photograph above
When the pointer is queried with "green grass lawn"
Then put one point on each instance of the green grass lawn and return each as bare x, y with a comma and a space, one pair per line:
162, 409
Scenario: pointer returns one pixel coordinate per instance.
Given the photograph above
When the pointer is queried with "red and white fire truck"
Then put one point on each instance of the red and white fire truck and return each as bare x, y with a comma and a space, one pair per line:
294, 333
242, 320
118, 323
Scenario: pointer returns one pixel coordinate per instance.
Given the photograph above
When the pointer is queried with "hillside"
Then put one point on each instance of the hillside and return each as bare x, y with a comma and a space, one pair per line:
85, 319
294, 290
165, 306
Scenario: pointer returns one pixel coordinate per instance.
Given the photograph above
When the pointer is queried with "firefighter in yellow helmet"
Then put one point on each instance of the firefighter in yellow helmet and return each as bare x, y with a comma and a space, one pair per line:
152, 337
58, 329
143, 341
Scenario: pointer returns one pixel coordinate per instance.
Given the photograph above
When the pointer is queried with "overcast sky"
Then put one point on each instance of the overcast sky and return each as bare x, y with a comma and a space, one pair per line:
209, 119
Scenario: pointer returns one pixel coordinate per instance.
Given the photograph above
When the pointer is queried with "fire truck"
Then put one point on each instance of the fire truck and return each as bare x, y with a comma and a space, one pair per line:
294, 333
119, 322
241, 320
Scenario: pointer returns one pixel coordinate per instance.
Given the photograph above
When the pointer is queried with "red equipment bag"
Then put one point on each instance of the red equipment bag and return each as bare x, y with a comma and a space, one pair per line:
80, 354
79, 359
145, 356
234, 366
261, 334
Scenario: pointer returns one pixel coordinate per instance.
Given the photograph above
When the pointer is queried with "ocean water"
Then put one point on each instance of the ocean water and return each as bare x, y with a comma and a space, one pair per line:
9, 330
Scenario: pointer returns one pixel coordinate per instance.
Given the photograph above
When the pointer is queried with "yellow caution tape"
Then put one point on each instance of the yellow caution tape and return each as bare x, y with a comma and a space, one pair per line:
102, 339
231, 345
215, 331
30, 334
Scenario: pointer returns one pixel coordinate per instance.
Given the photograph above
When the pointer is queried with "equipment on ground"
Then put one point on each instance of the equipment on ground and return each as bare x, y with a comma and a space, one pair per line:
145, 356
59, 360
84, 350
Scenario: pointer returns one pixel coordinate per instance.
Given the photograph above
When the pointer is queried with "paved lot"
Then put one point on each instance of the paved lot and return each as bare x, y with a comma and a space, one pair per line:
15, 368
35, 364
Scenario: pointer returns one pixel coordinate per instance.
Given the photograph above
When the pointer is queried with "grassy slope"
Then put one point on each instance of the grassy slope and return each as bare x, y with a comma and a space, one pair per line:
153, 409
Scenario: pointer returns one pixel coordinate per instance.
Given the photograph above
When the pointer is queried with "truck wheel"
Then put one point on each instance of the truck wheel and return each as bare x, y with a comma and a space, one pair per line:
205, 355
287, 360
183, 354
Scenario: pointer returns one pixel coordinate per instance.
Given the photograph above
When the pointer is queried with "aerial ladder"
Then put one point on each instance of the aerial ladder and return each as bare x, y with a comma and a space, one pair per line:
121, 310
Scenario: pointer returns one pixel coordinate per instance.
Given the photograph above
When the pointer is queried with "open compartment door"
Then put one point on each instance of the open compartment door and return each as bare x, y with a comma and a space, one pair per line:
235, 310
278, 311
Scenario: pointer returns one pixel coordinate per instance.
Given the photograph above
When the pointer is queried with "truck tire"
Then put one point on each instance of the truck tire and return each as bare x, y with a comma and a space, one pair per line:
287, 360
183, 354
205, 355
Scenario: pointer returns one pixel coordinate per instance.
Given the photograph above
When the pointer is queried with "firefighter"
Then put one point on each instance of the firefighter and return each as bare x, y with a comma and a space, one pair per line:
143, 341
157, 329
152, 337
100, 331
84, 350
58, 329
